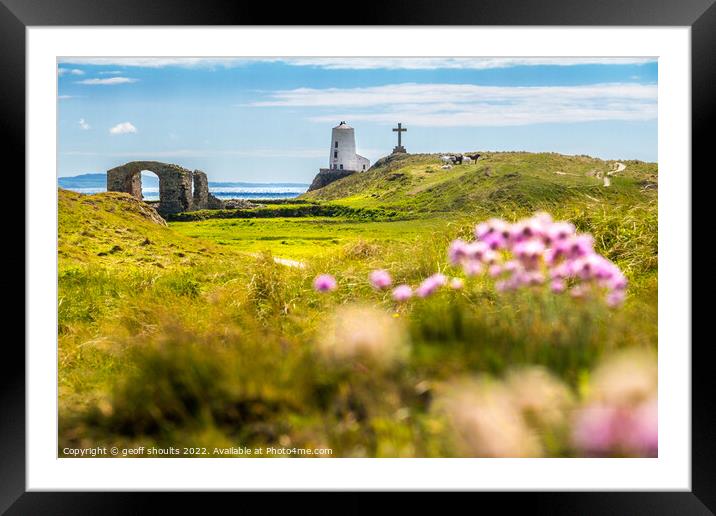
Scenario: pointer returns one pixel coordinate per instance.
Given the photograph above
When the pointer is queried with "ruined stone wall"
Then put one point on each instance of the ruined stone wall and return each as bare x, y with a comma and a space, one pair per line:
214, 203
202, 199
201, 191
119, 180
175, 183
174, 189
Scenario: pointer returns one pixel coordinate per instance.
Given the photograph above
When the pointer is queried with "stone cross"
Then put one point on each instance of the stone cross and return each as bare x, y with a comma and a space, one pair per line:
400, 129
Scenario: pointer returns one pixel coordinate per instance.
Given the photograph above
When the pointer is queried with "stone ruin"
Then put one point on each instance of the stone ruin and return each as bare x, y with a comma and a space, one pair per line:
175, 186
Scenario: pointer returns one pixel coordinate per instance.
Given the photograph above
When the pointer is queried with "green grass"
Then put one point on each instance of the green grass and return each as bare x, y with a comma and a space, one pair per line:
190, 334
303, 209
305, 237
115, 230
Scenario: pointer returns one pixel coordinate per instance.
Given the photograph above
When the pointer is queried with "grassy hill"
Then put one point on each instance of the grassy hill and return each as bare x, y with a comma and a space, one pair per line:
497, 183
115, 229
122, 272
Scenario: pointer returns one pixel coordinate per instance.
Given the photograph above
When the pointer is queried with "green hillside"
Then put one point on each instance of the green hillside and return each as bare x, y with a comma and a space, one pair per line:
115, 229
121, 269
405, 197
498, 182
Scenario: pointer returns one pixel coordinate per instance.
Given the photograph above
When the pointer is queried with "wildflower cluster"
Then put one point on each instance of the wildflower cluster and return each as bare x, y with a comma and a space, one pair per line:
538, 251
381, 280
532, 252
519, 415
620, 416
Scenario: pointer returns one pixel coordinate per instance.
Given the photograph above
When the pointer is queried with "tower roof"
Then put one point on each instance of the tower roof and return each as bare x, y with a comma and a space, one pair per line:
343, 125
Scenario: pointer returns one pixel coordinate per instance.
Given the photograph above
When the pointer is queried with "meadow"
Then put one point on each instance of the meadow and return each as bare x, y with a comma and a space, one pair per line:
189, 333
305, 237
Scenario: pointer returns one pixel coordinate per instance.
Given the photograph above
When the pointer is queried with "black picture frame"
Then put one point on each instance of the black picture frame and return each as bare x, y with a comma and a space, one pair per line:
17, 15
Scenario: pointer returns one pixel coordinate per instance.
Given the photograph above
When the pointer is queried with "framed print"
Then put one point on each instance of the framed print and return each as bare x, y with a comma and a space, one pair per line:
449, 251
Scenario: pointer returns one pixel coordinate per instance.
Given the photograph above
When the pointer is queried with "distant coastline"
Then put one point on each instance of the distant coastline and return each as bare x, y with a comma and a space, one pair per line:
96, 183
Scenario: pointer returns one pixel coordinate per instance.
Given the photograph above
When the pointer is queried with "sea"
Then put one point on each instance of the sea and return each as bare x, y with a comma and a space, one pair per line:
88, 184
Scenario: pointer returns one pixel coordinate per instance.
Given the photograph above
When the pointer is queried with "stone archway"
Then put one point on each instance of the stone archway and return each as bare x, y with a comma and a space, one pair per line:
175, 182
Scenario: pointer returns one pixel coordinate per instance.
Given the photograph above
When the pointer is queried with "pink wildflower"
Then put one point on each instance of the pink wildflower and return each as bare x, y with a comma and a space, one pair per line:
512, 266
550, 256
557, 286
495, 240
457, 251
618, 281
495, 270
534, 278
528, 250
615, 298
402, 293
496, 227
561, 271
579, 245
559, 231
324, 283
380, 279
472, 268
482, 229
476, 250
489, 257
431, 284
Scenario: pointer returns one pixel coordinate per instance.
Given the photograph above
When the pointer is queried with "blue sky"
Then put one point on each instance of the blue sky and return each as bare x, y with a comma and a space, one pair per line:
270, 120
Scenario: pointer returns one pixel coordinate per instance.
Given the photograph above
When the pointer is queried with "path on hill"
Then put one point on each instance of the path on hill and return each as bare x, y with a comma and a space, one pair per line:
620, 167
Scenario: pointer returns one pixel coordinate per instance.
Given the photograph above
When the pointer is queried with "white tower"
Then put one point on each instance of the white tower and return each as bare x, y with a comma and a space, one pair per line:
343, 150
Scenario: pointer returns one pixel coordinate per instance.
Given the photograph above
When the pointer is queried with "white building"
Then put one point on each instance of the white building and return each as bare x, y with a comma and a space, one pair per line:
343, 150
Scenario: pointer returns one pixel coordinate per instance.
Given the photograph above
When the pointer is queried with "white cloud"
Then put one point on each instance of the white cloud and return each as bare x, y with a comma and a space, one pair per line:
123, 128
68, 71
472, 63
83, 124
111, 72
108, 82
444, 105
360, 63
65, 97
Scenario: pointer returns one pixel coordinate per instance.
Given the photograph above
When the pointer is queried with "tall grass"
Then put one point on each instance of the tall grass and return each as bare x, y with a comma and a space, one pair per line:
231, 351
